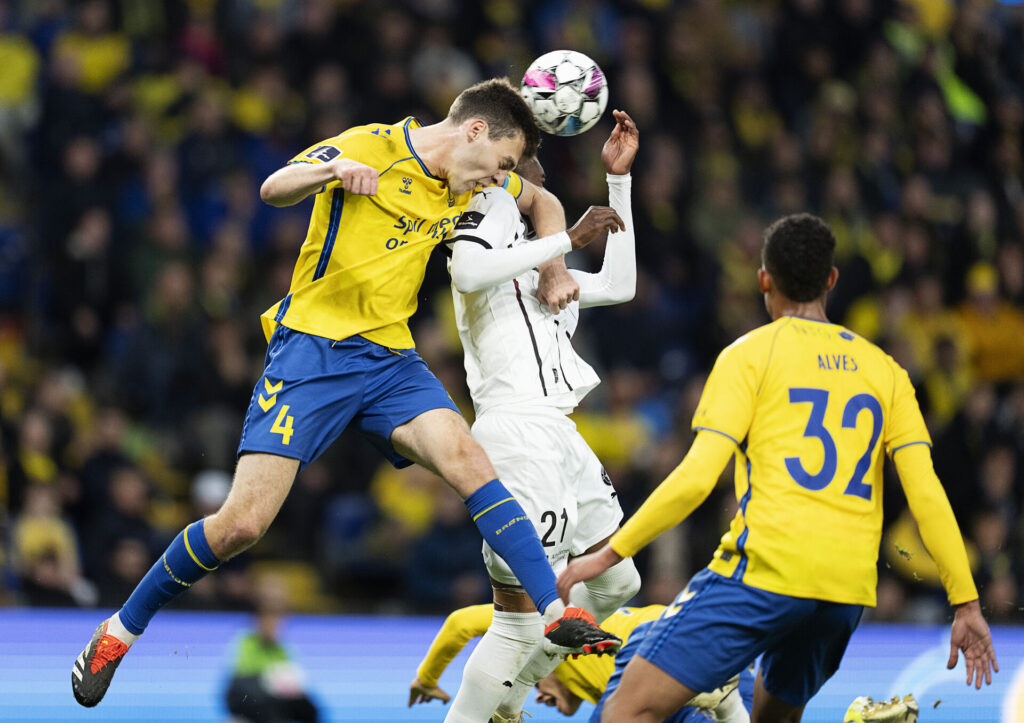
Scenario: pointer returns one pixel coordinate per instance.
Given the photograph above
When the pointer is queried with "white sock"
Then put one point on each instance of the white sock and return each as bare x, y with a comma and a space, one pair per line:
539, 666
609, 591
731, 709
492, 668
553, 611
116, 628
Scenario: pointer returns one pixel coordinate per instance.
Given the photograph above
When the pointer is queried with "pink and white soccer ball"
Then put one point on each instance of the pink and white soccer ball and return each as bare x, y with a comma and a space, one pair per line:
566, 91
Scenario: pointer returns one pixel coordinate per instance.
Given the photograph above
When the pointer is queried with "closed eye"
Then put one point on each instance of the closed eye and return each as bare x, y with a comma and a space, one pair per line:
507, 164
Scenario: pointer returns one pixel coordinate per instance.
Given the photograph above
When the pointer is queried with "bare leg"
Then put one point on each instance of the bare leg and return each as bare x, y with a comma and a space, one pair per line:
440, 441
261, 484
647, 694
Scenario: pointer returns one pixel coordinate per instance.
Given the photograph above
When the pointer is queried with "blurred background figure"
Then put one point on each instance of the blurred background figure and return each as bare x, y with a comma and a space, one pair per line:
267, 685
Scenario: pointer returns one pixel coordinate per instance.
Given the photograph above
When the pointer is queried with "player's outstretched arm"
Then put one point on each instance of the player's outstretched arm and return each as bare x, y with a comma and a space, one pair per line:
970, 634
458, 629
620, 149
681, 493
292, 183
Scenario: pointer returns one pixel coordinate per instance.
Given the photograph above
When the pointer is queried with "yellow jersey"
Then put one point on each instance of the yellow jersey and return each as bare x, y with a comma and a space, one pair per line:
587, 676
812, 408
361, 266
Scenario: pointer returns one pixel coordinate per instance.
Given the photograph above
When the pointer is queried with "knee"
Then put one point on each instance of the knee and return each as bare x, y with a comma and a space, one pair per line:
619, 584
236, 534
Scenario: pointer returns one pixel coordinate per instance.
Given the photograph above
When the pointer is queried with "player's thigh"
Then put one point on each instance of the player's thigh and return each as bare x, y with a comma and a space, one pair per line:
646, 692
439, 440
260, 486
715, 628
600, 513
769, 709
529, 457
310, 390
796, 666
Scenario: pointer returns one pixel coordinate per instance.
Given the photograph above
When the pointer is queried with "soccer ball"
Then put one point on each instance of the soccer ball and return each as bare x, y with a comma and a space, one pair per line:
566, 91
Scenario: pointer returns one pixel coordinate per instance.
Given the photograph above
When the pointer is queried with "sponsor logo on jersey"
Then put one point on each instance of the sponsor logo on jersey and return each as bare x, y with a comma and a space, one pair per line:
470, 219
324, 153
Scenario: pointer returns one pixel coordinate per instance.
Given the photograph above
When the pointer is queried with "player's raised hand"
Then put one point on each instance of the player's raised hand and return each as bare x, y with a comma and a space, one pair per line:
556, 288
355, 177
621, 147
595, 224
586, 568
419, 693
970, 634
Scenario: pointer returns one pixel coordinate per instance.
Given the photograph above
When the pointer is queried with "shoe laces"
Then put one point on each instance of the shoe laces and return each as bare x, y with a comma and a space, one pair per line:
108, 649
578, 613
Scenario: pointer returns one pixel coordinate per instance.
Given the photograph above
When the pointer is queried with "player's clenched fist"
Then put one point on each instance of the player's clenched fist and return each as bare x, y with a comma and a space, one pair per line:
355, 177
595, 224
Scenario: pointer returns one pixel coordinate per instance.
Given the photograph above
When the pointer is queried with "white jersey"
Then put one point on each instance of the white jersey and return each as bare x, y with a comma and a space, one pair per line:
516, 351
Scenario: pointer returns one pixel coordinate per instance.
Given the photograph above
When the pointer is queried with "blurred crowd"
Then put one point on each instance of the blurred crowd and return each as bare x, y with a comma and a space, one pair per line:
136, 256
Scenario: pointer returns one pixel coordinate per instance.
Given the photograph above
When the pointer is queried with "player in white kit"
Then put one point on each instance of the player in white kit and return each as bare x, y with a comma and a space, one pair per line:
525, 378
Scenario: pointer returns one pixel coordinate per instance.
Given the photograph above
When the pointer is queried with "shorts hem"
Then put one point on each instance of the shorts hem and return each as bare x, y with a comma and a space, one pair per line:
255, 448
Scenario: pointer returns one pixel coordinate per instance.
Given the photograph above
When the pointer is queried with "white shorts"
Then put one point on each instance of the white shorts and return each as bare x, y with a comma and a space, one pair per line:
541, 459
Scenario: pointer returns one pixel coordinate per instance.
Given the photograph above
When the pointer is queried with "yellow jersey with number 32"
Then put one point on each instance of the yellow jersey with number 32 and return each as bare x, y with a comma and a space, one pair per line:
361, 266
813, 408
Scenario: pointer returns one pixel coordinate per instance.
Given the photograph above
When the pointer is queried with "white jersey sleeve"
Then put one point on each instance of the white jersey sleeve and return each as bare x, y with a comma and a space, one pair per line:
615, 283
483, 243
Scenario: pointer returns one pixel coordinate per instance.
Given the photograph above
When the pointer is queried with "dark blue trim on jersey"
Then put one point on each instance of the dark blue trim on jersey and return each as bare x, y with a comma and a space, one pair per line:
408, 158
337, 201
408, 142
716, 431
909, 444
522, 185
283, 308
741, 542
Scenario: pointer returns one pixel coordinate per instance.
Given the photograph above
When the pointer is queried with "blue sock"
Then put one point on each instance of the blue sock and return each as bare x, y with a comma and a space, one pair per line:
186, 561
507, 529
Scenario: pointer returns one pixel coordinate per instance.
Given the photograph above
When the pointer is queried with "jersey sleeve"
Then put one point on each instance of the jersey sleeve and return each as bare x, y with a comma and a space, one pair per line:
906, 425
490, 219
513, 184
727, 403
458, 629
349, 145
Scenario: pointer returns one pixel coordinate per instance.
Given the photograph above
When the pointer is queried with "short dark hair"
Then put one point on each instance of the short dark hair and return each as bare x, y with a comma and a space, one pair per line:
798, 252
499, 103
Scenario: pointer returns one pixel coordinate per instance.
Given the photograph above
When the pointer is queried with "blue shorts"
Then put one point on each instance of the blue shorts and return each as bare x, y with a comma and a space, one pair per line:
683, 715
312, 388
717, 626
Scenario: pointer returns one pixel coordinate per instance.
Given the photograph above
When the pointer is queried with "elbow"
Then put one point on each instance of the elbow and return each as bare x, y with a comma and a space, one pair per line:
462, 280
271, 195
624, 292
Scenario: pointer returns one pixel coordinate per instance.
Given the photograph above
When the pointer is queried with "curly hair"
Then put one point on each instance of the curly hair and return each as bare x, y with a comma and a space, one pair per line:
798, 252
499, 103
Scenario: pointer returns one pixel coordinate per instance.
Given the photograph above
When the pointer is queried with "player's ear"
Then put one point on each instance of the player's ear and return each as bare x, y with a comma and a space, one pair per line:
764, 280
833, 277
476, 128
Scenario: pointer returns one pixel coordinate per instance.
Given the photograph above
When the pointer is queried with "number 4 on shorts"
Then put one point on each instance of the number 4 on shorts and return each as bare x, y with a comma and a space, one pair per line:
283, 424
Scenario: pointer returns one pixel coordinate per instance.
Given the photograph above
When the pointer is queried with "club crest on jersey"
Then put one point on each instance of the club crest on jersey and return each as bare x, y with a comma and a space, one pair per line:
324, 153
406, 183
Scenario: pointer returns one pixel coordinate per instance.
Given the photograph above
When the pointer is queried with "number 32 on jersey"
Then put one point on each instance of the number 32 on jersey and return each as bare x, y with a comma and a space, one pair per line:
819, 399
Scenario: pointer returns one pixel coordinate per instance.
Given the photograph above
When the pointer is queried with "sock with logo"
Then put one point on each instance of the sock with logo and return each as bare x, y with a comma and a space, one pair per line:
187, 560
506, 528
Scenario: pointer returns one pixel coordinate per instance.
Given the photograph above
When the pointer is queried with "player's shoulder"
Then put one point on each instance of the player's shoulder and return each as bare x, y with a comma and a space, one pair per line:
384, 139
491, 197
757, 341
